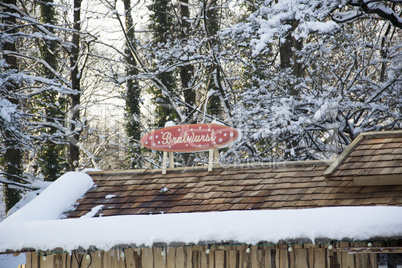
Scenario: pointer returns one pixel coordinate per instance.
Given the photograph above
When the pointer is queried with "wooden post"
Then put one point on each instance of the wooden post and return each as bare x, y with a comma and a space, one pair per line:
164, 162
216, 157
171, 160
213, 160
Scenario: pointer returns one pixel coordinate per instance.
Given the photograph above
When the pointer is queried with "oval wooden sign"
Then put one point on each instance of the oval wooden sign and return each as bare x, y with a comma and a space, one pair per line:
189, 138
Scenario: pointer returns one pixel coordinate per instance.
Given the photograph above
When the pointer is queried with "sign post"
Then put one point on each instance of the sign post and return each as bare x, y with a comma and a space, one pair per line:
190, 138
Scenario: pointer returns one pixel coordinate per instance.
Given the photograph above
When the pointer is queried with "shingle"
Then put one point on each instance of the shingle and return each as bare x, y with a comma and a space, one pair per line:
262, 186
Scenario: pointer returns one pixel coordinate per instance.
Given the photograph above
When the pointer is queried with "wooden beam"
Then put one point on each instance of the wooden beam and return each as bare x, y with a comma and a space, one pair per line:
369, 249
337, 162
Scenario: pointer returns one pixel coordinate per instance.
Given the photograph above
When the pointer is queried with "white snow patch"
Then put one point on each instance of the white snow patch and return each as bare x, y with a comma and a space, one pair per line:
93, 211
249, 227
170, 124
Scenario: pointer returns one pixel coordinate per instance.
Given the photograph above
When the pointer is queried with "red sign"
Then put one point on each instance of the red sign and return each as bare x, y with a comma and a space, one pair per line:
189, 138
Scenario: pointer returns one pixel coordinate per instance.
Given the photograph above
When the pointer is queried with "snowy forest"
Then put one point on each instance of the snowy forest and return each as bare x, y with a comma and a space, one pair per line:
82, 81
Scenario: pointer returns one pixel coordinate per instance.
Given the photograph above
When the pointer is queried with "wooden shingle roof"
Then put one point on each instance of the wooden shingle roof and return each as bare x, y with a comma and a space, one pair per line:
372, 158
284, 185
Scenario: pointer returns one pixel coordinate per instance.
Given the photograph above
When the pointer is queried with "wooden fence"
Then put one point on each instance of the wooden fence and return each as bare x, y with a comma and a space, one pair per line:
267, 256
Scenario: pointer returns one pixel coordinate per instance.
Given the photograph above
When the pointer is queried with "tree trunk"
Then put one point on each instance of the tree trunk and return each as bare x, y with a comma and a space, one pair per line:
12, 158
289, 59
74, 155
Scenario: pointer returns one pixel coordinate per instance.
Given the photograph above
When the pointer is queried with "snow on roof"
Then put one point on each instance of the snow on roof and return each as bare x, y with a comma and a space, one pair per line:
38, 224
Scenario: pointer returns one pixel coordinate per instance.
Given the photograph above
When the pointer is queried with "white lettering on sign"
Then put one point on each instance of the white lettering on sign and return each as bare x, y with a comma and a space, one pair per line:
168, 138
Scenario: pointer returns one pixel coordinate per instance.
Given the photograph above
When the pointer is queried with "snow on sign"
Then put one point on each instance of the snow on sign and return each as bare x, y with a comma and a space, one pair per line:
189, 138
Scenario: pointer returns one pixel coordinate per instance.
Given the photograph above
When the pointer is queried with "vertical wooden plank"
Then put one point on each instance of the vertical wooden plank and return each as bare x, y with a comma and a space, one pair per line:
219, 259
366, 260
348, 260
282, 256
301, 258
28, 257
277, 257
137, 258
204, 258
147, 258
320, 257
273, 257
46, 262
105, 259
111, 255
170, 257
195, 260
180, 258
244, 259
58, 261
211, 259
344, 258
129, 260
183, 257
257, 257
159, 257
86, 259
188, 256
291, 258
95, 257
34, 260
254, 257
373, 259
268, 258
232, 259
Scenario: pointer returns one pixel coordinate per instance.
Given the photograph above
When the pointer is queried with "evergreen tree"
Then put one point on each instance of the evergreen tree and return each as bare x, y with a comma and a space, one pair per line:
52, 155
132, 94
161, 24
11, 157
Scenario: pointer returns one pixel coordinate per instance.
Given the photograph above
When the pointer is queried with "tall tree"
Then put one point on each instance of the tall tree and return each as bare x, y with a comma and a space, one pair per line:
75, 98
52, 155
187, 70
132, 93
323, 93
161, 23
11, 160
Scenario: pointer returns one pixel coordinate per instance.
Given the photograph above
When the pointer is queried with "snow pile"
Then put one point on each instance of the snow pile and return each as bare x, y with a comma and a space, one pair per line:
30, 195
38, 224
54, 200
